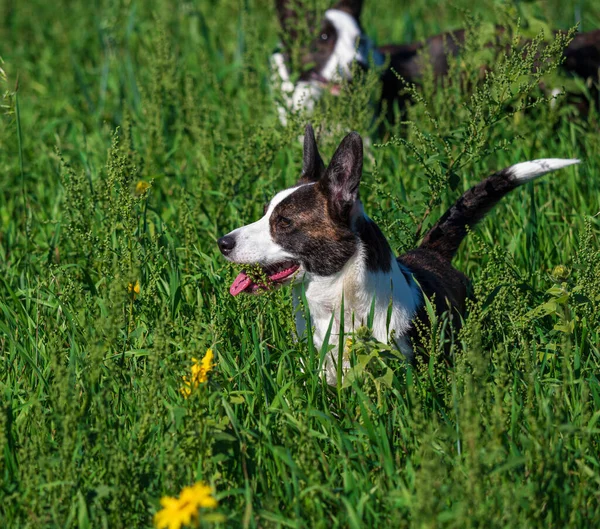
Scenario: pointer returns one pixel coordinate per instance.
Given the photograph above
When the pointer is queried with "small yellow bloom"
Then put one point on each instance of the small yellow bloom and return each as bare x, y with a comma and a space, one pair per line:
199, 373
174, 514
133, 288
181, 511
560, 272
141, 187
200, 494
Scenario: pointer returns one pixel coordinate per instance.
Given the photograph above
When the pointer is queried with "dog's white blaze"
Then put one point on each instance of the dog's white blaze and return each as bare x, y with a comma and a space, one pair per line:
345, 51
279, 197
253, 242
523, 172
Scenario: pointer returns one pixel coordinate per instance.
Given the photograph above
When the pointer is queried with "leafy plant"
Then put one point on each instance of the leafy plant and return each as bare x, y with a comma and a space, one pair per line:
139, 133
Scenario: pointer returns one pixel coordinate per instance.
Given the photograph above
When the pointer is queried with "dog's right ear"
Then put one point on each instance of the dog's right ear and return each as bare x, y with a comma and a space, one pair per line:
312, 163
342, 177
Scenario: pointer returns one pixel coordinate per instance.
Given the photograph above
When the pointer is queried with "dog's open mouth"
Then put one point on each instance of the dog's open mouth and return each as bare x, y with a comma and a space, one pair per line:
333, 88
277, 273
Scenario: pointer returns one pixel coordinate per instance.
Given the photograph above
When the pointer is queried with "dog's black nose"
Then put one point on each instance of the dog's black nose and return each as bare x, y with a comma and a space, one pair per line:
226, 244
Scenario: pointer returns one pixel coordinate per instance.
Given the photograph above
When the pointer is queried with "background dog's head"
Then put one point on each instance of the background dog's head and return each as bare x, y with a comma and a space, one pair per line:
322, 49
318, 51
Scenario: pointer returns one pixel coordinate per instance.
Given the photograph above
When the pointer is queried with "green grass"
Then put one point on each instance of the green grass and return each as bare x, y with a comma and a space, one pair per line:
93, 427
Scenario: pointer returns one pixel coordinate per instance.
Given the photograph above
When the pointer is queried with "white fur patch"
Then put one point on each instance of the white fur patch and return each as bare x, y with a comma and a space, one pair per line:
280, 68
346, 49
554, 94
296, 97
526, 171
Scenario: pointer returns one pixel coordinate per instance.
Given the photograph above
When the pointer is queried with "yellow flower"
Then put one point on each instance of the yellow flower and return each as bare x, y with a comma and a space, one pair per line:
199, 373
186, 389
180, 511
207, 364
174, 514
133, 288
200, 494
560, 272
141, 187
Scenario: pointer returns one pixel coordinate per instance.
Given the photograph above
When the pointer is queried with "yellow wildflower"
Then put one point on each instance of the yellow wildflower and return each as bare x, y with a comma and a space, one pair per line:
186, 389
181, 511
560, 272
199, 373
133, 288
141, 187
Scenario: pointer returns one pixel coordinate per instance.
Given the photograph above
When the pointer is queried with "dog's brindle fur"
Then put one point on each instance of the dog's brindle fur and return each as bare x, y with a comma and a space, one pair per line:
320, 225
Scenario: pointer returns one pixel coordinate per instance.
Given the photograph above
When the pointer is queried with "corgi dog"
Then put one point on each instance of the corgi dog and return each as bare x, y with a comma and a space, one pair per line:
317, 237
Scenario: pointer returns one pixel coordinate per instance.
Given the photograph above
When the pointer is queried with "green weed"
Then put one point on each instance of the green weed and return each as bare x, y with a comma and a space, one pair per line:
137, 134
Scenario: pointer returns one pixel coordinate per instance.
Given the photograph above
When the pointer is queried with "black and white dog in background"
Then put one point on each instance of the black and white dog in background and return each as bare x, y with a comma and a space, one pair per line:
339, 43
316, 234
328, 58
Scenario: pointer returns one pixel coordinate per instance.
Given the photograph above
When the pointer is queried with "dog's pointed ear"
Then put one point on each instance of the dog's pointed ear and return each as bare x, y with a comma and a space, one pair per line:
352, 7
312, 163
342, 177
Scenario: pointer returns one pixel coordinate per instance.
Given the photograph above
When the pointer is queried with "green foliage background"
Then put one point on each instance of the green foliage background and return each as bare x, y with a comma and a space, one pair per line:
93, 428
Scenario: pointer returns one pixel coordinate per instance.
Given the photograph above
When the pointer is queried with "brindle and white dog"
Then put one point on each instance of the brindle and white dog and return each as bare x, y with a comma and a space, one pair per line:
316, 233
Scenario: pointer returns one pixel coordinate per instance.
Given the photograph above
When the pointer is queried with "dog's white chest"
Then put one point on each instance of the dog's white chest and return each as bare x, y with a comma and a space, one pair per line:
360, 290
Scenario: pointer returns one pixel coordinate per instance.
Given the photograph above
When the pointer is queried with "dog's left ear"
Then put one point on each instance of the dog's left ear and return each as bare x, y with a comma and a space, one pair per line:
353, 7
342, 177
312, 163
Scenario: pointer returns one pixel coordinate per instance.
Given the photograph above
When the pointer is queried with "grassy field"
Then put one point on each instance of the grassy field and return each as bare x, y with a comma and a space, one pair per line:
133, 134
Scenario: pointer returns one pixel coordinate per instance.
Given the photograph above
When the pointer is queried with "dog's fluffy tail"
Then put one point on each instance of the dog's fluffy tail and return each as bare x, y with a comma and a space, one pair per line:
448, 232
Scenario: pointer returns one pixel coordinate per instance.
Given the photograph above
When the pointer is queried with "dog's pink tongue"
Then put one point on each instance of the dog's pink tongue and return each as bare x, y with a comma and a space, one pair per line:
240, 283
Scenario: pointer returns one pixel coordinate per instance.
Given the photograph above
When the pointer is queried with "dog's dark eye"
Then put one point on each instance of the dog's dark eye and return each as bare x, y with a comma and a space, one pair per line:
324, 36
284, 222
